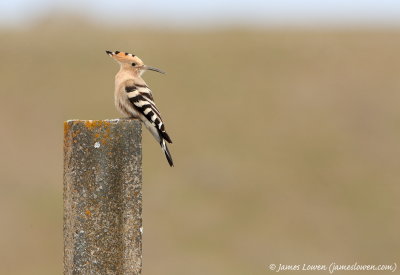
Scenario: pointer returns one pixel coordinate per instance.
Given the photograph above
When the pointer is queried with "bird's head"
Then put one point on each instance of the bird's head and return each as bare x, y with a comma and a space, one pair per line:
132, 62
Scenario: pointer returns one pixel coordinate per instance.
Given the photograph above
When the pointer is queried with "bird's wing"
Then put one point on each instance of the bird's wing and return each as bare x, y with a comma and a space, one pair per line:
142, 101
143, 89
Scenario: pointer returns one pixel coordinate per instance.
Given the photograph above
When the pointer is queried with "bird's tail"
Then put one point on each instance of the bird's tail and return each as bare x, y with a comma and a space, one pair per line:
164, 147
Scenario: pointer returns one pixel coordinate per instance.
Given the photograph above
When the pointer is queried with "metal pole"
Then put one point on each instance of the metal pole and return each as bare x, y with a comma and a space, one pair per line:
102, 197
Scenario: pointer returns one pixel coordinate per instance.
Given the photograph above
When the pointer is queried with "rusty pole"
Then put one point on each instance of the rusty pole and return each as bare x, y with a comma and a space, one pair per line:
102, 197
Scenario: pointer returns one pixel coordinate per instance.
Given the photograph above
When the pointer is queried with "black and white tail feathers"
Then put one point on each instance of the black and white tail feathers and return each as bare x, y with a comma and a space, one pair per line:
164, 147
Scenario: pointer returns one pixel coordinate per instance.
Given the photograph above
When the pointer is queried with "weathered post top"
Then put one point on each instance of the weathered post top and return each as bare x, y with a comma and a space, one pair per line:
102, 197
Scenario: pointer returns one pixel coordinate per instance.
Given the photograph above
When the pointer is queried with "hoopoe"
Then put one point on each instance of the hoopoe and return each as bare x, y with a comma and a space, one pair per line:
134, 99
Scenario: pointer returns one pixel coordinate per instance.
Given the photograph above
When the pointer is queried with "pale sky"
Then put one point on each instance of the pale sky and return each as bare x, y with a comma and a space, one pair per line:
211, 12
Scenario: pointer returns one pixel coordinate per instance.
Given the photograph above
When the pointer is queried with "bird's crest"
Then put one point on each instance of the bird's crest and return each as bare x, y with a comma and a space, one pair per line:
124, 57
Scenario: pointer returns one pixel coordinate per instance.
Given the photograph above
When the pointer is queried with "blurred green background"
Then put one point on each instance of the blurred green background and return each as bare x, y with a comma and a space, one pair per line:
286, 143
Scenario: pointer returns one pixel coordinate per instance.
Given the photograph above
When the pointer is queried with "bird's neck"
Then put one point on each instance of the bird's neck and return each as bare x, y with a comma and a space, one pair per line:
126, 73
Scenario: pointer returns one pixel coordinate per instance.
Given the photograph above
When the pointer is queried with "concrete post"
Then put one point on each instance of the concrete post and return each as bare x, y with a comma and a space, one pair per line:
102, 197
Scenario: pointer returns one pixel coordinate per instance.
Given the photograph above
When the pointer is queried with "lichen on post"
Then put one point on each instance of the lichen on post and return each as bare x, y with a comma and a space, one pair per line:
102, 197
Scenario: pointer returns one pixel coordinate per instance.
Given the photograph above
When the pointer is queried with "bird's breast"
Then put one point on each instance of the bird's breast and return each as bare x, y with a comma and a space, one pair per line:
123, 105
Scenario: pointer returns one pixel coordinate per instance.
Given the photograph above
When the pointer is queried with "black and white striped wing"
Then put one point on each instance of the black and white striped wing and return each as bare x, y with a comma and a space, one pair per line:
143, 102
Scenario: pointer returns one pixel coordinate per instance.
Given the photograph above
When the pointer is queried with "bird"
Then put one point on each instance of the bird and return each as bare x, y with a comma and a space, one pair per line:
134, 99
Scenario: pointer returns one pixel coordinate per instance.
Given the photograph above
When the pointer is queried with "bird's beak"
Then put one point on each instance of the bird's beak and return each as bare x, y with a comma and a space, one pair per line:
153, 69
109, 53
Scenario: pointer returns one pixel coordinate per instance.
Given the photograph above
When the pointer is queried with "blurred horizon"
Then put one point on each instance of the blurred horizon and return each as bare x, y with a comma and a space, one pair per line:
209, 13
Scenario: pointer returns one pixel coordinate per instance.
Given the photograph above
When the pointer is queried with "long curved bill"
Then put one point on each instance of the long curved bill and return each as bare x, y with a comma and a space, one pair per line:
153, 69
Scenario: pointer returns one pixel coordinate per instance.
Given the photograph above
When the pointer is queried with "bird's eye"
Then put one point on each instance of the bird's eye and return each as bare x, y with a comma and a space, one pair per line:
133, 64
